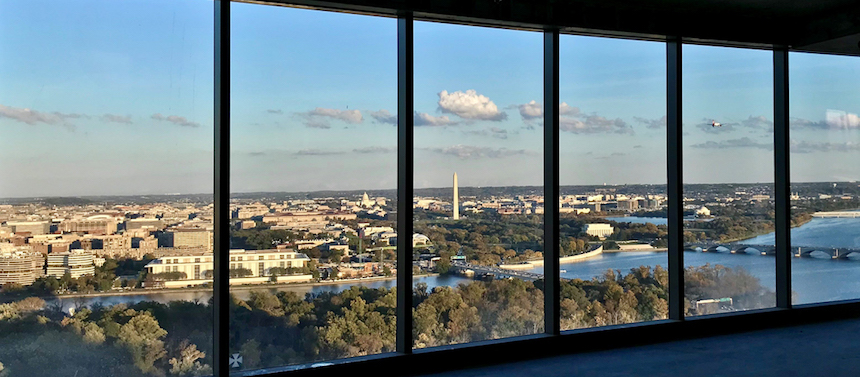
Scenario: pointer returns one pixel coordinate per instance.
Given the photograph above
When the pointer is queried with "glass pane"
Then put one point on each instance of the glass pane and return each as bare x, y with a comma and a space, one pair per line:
613, 182
313, 178
106, 154
478, 203
825, 145
728, 176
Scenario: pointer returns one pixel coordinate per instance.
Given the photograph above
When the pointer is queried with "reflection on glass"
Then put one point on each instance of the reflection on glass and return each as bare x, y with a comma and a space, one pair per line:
478, 204
313, 177
825, 196
728, 168
613, 182
107, 190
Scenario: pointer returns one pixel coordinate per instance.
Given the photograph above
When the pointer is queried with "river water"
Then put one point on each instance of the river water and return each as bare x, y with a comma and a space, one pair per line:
813, 279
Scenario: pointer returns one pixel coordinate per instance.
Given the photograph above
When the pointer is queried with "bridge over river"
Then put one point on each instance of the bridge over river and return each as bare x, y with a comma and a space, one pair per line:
797, 251
494, 271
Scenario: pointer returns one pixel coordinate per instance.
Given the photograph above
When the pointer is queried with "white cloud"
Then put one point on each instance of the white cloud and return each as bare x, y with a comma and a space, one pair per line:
316, 152
383, 116
175, 119
565, 109
652, 123
33, 117
424, 119
841, 120
113, 118
758, 122
495, 132
811, 147
371, 150
470, 105
534, 110
469, 151
348, 116
574, 121
531, 110
591, 124
743, 142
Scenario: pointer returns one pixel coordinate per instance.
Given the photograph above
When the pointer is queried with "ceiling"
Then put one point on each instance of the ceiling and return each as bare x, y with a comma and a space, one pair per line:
825, 26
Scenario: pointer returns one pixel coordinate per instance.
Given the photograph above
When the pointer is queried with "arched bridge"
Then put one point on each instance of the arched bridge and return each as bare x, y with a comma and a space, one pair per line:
495, 271
797, 251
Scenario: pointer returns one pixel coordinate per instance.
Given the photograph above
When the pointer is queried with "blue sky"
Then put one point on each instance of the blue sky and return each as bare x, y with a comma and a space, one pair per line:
109, 97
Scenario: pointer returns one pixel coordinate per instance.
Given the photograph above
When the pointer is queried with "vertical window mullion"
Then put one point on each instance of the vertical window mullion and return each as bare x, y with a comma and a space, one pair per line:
552, 273
221, 276
782, 182
674, 186
405, 167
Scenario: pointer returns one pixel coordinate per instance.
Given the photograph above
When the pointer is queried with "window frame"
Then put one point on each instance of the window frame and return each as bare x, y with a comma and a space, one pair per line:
553, 341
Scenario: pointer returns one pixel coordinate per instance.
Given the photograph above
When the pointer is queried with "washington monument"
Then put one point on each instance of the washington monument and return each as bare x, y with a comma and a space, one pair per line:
456, 200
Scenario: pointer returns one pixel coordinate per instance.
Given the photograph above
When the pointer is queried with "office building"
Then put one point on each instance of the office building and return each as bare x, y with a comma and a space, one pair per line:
19, 265
77, 263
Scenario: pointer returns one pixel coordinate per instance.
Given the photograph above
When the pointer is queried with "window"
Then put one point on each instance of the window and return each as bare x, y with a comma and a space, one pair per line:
613, 233
337, 134
825, 195
107, 150
728, 179
115, 103
478, 184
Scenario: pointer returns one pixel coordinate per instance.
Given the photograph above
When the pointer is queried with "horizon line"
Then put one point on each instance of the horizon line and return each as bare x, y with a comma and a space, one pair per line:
391, 189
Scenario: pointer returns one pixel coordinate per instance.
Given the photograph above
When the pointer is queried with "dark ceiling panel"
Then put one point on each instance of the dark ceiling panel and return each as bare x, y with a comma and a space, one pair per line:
801, 24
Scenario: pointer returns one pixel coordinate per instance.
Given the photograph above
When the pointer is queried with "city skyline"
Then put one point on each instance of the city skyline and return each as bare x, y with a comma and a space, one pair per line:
132, 114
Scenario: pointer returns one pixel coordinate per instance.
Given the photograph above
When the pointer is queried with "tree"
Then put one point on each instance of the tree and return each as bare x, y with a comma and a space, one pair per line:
335, 256
250, 352
443, 266
188, 364
66, 280
240, 272
142, 335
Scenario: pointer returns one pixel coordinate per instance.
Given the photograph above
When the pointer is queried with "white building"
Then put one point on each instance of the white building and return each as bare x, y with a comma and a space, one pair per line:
369, 231
703, 211
33, 227
76, 262
198, 266
598, 230
19, 265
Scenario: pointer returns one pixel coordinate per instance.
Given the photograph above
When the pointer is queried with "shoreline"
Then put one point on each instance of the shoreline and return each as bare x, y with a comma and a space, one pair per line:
528, 265
248, 287
662, 249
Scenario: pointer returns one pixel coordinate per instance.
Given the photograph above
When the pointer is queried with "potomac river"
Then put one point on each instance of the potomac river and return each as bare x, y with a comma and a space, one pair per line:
813, 279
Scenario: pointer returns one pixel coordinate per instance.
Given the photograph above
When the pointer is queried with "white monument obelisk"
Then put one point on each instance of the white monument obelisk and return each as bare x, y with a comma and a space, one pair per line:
456, 199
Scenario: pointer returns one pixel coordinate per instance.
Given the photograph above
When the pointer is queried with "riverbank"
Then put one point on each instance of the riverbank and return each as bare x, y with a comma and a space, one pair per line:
563, 260
635, 251
144, 292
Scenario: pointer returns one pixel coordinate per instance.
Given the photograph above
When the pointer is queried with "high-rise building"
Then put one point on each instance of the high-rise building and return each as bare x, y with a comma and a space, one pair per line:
456, 199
